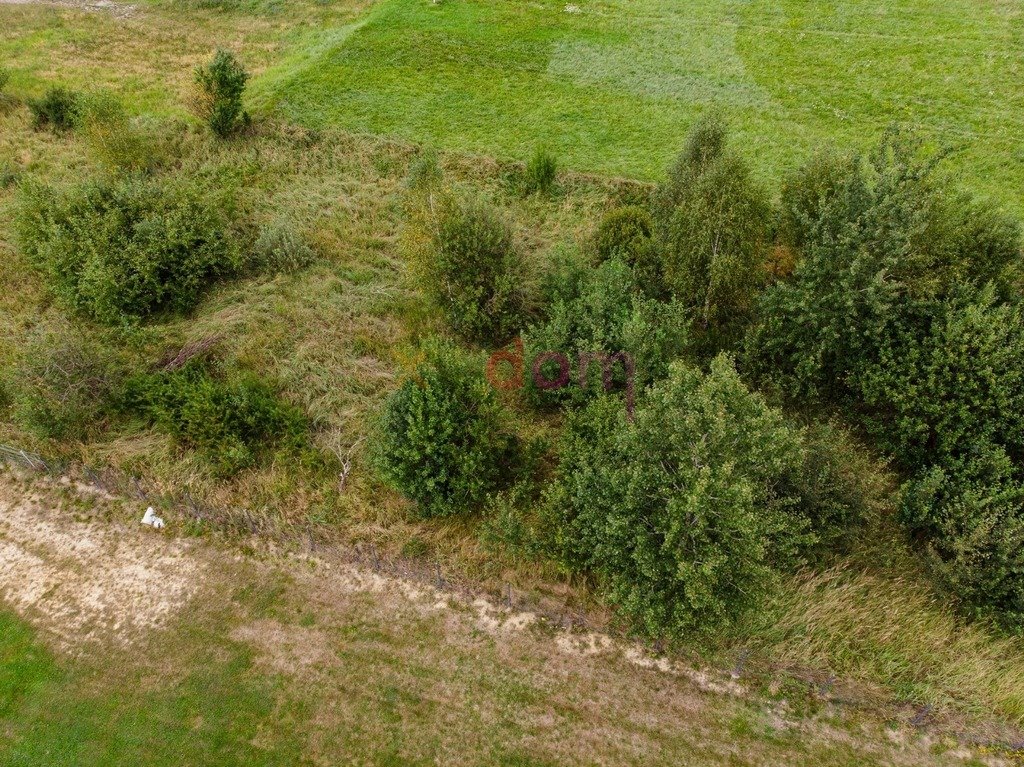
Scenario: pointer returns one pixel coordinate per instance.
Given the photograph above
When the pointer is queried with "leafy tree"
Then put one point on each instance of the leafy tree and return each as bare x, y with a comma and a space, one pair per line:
689, 514
713, 225
441, 439
217, 99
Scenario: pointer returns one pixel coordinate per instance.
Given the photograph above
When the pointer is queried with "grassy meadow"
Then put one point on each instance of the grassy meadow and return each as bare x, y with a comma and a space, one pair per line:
613, 86
345, 95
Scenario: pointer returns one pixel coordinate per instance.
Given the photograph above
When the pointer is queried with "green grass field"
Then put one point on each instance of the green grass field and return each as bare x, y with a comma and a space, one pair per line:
612, 86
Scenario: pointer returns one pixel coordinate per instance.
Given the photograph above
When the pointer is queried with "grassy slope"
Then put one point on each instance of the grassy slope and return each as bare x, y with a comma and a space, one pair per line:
614, 87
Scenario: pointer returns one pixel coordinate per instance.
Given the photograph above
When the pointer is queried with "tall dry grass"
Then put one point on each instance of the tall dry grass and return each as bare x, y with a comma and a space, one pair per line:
897, 633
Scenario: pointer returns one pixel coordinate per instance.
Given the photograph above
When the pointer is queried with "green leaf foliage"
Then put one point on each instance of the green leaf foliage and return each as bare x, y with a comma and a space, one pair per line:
688, 514
122, 250
441, 439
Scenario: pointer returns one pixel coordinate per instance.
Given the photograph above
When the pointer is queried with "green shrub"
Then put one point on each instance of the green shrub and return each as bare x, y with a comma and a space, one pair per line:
217, 99
623, 232
441, 439
881, 255
112, 137
939, 390
598, 311
903, 312
58, 110
463, 255
713, 235
63, 386
687, 515
280, 249
705, 145
232, 419
5, 77
626, 233
808, 191
971, 513
120, 250
841, 488
541, 172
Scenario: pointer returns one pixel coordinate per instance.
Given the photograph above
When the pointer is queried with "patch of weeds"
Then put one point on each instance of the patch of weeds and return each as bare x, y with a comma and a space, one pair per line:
415, 548
58, 110
541, 173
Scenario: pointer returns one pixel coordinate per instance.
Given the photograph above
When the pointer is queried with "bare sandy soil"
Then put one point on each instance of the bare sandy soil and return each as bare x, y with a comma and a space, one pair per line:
84, 582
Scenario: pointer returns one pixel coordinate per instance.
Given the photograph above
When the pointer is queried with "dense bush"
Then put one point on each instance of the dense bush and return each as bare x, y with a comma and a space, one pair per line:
58, 109
463, 254
598, 311
949, 386
124, 249
688, 514
627, 233
217, 99
904, 312
841, 488
230, 418
113, 138
623, 232
713, 226
63, 385
970, 511
808, 190
541, 172
441, 439
881, 252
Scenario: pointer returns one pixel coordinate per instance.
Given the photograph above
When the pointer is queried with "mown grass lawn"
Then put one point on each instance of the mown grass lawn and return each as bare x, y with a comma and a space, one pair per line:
613, 85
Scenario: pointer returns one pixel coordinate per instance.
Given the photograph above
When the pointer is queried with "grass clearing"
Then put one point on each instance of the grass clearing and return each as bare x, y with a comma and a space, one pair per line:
613, 86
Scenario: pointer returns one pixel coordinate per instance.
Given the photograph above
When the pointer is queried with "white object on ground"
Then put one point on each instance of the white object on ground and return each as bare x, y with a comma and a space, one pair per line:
150, 518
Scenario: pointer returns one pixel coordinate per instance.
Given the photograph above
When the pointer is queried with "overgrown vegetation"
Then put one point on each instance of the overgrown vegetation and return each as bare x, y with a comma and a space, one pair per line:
123, 249
541, 172
875, 317
690, 514
591, 316
58, 109
904, 312
463, 252
232, 418
63, 385
114, 139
